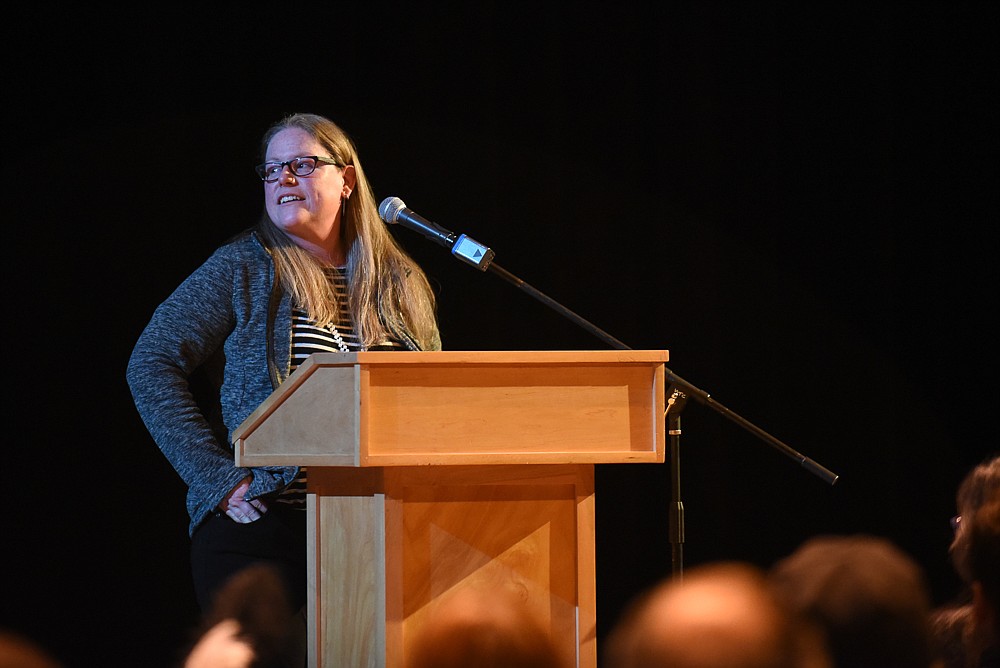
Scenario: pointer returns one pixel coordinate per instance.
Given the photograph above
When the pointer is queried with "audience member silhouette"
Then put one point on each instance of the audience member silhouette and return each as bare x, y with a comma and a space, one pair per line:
975, 627
979, 487
983, 567
868, 598
221, 647
720, 615
19, 651
485, 629
962, 638
250, 625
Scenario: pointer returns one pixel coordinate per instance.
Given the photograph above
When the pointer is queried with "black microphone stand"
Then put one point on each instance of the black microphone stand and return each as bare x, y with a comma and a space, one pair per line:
679, 391
675, 404
481, 257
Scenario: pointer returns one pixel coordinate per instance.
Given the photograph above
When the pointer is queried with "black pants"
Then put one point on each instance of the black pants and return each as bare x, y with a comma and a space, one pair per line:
221, 547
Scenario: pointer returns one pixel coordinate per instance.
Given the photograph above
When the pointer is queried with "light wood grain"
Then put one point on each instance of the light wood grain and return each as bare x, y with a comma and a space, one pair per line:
402, 409
437, 473
522, 530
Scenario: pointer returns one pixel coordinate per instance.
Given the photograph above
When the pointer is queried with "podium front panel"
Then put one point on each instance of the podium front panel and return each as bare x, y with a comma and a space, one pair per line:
396, 543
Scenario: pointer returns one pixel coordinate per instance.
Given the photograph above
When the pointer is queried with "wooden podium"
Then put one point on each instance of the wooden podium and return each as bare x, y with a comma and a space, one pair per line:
431, 472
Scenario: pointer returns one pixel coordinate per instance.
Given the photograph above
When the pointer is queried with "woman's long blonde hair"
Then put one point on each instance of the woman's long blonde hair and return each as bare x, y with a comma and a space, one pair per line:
389, 296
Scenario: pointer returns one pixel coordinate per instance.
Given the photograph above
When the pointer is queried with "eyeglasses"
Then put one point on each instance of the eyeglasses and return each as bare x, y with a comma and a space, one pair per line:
269, 172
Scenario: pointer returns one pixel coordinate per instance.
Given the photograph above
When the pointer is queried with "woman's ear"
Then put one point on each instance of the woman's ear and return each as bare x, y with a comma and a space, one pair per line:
350, 180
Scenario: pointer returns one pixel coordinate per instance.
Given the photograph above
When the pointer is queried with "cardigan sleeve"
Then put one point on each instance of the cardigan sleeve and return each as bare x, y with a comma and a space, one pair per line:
184, 332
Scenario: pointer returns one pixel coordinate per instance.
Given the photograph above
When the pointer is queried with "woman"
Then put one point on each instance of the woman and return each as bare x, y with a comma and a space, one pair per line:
318, 272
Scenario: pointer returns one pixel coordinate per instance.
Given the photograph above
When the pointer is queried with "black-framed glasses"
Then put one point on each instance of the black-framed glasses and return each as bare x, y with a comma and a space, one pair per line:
304, 165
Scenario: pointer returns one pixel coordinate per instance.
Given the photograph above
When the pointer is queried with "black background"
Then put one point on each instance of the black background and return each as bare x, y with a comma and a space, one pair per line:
799, 202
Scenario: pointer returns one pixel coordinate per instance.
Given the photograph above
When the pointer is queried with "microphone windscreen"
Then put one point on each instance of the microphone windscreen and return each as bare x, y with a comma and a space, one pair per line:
389, 209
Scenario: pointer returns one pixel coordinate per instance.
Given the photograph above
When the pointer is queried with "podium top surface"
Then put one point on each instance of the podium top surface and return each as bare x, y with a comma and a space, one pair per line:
397, 408
489, 357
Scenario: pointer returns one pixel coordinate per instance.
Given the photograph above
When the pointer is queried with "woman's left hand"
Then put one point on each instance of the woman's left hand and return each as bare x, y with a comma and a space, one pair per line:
240, 509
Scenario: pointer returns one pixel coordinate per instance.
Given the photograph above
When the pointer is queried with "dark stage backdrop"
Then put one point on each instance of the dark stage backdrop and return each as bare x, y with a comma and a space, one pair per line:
799, 202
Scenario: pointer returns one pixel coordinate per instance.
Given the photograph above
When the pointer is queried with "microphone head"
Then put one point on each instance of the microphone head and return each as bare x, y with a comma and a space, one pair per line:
389, 209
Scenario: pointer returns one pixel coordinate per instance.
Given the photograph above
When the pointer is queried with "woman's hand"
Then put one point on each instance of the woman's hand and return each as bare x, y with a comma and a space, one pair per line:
238, 508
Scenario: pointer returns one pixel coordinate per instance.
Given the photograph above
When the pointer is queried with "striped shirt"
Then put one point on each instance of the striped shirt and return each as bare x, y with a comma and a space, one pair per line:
308, 337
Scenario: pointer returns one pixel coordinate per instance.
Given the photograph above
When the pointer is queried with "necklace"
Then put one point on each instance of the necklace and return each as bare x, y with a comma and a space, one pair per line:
336, 276
338, 338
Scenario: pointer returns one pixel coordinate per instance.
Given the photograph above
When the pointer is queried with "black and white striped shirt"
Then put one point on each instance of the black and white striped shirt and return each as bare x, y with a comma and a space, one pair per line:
308, 337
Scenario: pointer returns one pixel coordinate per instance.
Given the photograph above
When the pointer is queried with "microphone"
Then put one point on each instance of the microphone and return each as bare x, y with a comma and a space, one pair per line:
393, 211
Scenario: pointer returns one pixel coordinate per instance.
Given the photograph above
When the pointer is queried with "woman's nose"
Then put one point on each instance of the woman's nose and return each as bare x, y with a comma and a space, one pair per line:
287, 175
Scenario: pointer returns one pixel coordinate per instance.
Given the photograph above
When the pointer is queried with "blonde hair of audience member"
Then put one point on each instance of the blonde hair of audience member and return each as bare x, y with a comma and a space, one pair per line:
719, 615
485, 629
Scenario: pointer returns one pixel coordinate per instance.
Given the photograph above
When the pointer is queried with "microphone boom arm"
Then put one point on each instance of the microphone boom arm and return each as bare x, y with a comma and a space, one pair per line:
687, 388
392, 210
556, 306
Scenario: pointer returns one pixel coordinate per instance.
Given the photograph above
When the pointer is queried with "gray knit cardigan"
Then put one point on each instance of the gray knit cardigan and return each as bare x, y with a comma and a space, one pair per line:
211, 353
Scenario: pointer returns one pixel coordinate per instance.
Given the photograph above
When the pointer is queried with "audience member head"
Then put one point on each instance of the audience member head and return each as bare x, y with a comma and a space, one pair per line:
961, 630
19, 651
869, 598
487, 629
221, 647
250, 611
717, 616
980, 485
